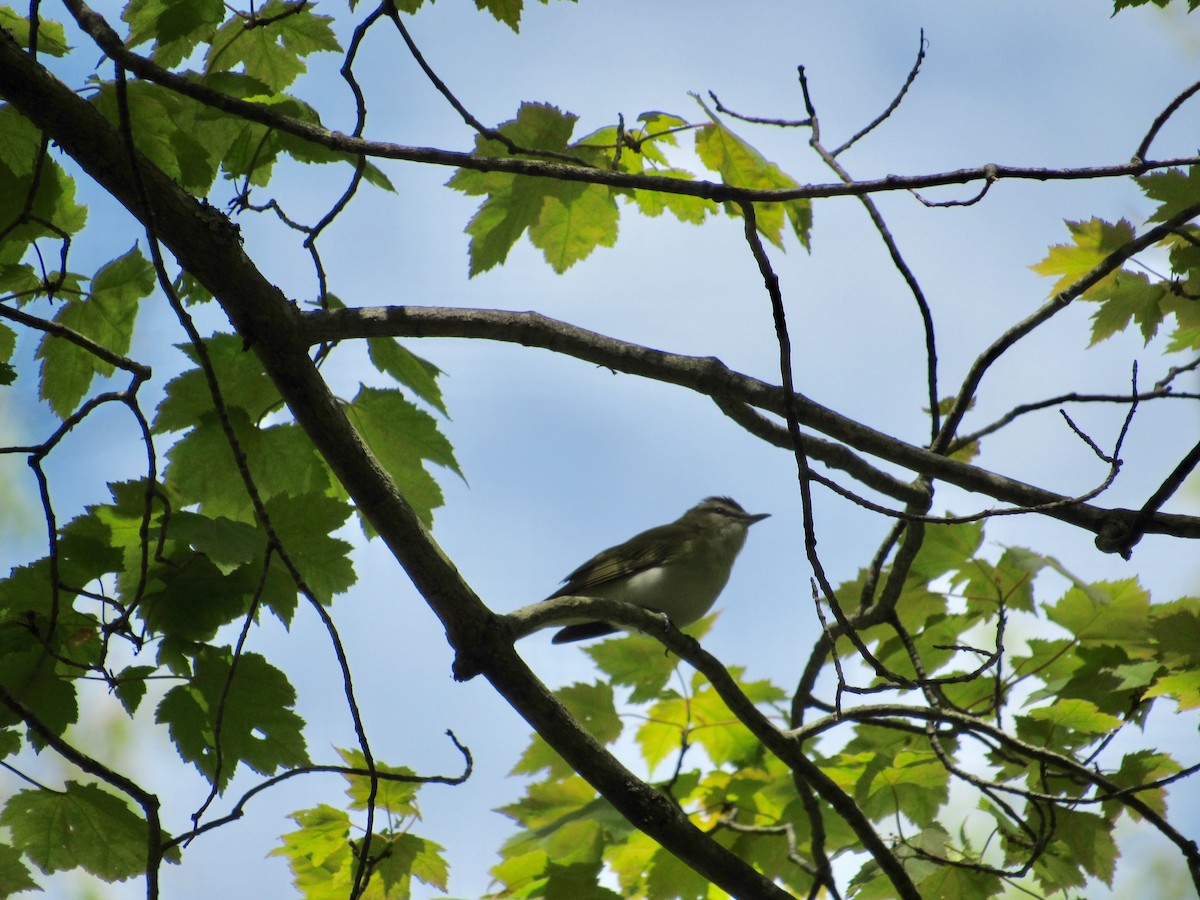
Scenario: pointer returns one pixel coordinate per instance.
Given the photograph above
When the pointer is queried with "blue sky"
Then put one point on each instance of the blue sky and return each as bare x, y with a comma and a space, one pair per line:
562, 459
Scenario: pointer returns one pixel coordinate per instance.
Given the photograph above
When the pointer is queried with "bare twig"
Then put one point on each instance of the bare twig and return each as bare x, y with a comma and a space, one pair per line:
758, 120
989, 180
832, 454
1174, 372
239, 808
1159, 392
491, 134
140, 372
1161, 120
891, 107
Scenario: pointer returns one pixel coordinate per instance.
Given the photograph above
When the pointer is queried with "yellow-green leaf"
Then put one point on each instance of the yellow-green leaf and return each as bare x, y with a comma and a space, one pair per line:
1093, 240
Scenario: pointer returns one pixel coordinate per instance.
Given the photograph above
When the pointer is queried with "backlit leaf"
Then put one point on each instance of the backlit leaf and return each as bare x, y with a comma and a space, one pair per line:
107, 317
81, 826
1093, 240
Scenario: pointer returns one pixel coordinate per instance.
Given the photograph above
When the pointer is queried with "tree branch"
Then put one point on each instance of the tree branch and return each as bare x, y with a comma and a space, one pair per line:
1052, 307
110, 42
709, 376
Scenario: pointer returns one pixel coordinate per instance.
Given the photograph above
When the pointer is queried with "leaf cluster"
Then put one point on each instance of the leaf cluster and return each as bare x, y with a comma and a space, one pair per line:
567, 220
972, 811
236, 514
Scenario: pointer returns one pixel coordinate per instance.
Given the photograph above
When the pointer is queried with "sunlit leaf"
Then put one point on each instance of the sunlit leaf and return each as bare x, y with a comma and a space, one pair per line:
1094, 240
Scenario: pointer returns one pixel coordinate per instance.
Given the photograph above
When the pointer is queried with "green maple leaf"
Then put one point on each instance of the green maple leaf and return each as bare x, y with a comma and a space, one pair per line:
947, 548
960, 883
397, 797
244, 385
915, 782
54, 205
1009, 581
52, 38
691, 210
8, 344
1176, 631
1138, 768
191, 599
271, 49
419, 375
1182, 687
1093, 240
566, 221
319, 852
19, 143
637, 661
1174, 189
1090, 841
662, 732
547, 803
1079, 716
106, 316
594, 707
506, 11
1186, 335
227, 544
1128, 296
81, 826
304, 525
406, 856
14, 874
572, 222
670, 879
28, 672
1116, 613
281, 460
402, 438
740, 165
176, 28
257, 726
165, 127
130, 686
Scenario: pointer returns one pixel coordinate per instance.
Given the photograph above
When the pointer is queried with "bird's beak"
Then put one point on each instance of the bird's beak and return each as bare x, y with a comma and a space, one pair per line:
758, 517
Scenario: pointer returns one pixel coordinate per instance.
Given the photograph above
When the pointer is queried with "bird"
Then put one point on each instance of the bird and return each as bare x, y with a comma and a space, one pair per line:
678, 569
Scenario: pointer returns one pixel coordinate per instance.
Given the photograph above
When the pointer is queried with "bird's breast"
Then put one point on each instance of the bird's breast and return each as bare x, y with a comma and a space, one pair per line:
684, 590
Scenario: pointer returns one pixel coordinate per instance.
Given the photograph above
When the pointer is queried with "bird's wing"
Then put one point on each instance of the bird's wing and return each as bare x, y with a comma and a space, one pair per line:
644, 551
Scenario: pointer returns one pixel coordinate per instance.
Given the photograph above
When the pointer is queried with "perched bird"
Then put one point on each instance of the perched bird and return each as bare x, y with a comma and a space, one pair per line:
679, 569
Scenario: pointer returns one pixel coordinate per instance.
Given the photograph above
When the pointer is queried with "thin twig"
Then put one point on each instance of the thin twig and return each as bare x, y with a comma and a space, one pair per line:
1052, 307
914, 287
891, 107
1160, 391
491, 134
989, 180
803, 472
758, 120
1161, 119
239, 808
